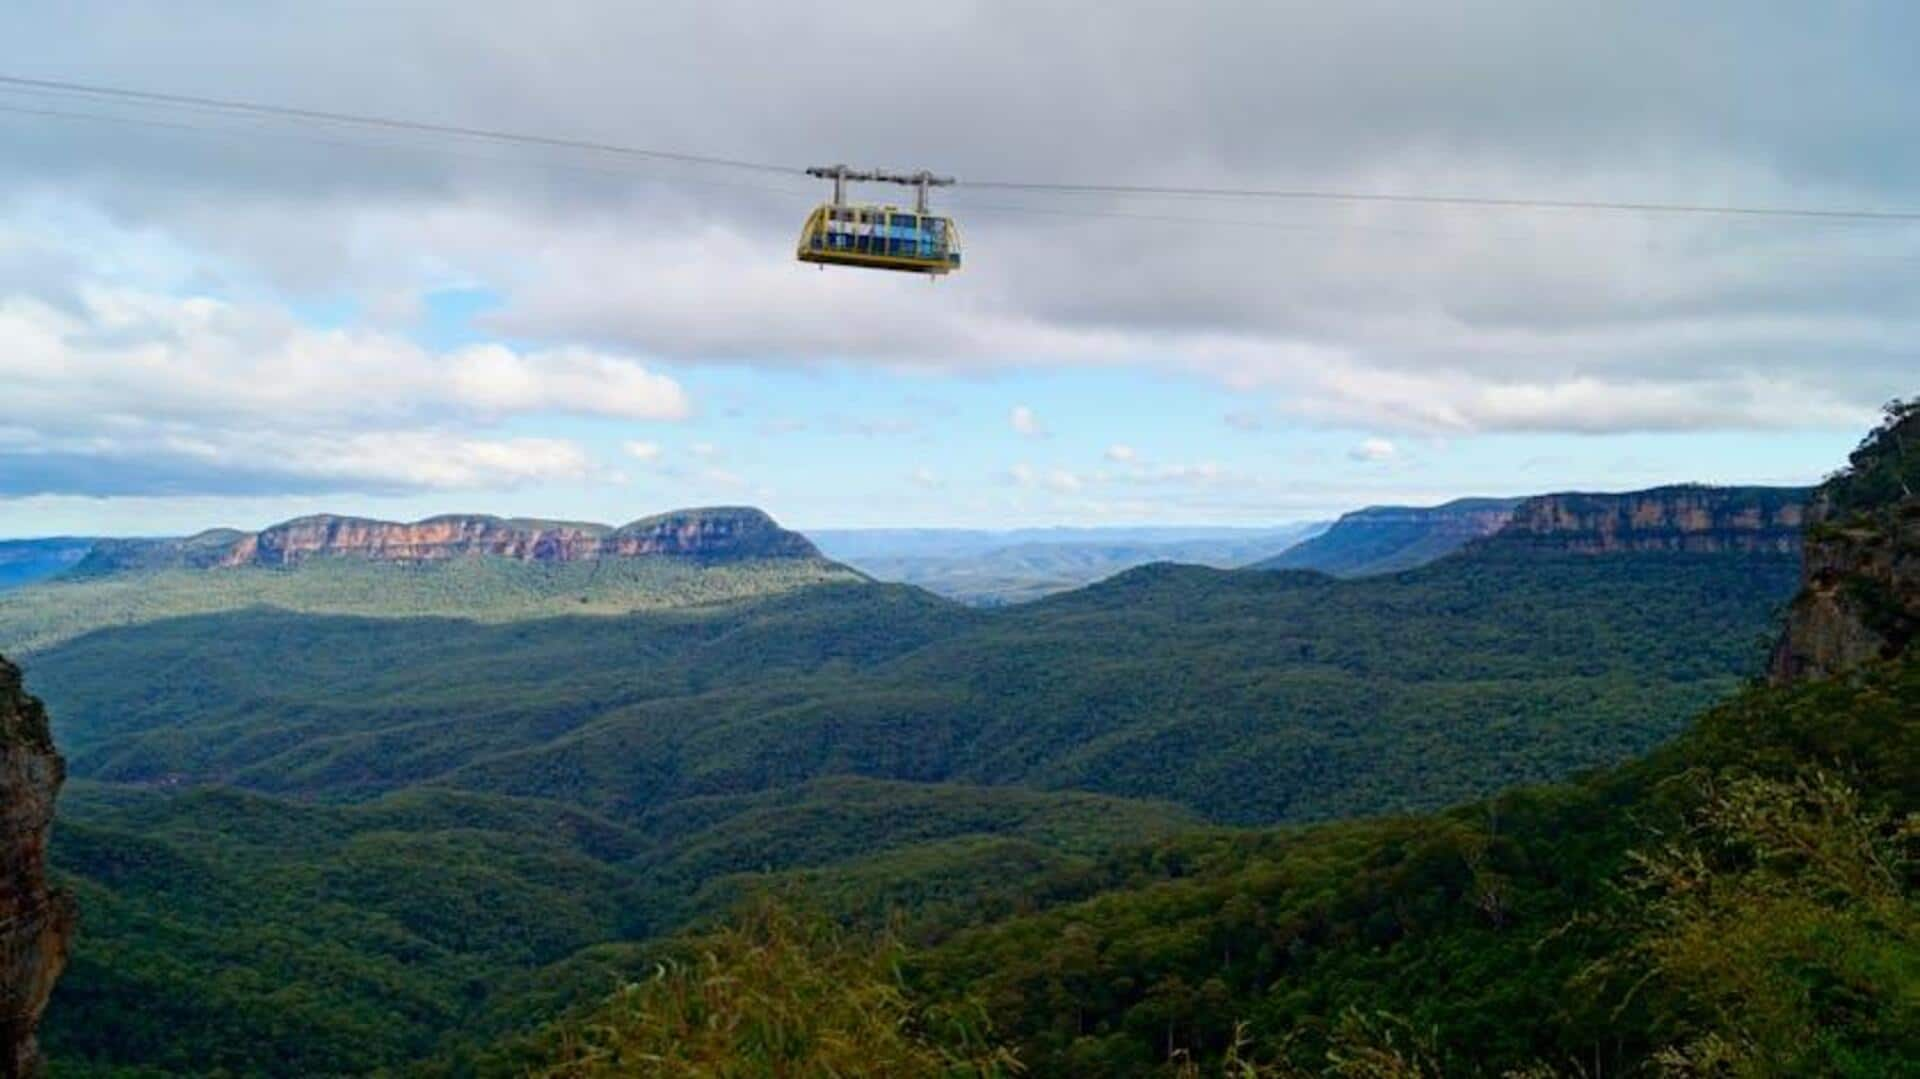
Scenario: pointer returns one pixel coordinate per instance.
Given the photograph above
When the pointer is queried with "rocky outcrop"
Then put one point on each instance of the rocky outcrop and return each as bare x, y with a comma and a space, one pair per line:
716, 534
36, 923
1860, 584
1684, 518
1387, 539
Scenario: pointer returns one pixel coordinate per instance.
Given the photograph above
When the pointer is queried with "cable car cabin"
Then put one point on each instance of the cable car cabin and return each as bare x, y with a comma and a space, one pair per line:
880, 238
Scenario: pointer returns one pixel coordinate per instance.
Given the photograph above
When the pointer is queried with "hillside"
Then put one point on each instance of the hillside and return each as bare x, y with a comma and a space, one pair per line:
1738, 902
229, 930
1388, 539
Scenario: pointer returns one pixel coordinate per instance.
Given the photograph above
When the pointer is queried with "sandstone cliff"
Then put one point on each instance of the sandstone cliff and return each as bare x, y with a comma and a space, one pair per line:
715, 534
1682, 518
1860, 589
36, 923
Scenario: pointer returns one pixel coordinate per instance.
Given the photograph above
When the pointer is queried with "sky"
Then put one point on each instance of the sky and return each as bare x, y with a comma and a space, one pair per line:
218, 319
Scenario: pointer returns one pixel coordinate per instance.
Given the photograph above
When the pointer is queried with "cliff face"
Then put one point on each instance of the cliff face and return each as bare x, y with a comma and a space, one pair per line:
36, 924
422, 541
1687, 518
718, 534
1860, 587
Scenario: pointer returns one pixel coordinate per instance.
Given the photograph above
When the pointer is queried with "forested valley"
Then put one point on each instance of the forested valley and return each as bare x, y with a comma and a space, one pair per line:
1527, 809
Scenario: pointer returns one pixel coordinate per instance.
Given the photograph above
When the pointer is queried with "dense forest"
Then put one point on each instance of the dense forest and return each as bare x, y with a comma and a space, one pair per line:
1740, 901
1017, 840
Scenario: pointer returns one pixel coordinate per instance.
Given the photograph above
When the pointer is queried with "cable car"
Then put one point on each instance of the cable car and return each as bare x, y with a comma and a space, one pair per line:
879, 237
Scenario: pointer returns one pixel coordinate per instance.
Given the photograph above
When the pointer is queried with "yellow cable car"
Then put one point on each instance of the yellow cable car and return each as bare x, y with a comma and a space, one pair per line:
878, 237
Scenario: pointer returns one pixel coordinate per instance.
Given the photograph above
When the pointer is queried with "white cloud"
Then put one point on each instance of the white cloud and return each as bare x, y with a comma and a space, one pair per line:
1025, 423
925, 477
492, 378
1374, 450
119, 390
641, 450
1121, 452
704, 450
436, 460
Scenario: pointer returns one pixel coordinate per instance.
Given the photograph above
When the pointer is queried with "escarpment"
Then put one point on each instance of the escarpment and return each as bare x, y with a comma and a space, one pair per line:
716, 534
1860, 585
1681, 518
36, 922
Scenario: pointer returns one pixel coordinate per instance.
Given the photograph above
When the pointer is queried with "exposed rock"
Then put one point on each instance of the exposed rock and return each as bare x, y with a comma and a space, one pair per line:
1387, 539
1682, 518
1860, 587
717, 534
422, 541
36, 923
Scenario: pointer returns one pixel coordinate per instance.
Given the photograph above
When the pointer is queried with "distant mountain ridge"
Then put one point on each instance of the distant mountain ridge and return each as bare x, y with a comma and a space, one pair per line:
723, 533
994, 568
1692, 518
1388, 539
25, 561
464, 566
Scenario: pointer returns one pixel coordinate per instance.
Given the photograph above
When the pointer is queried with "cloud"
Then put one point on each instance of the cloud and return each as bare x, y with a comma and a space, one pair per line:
146, 461
1025, 423
494, 379
925, 477
1122, 452
116, 390
1398, 318
641, 450
1374, 450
